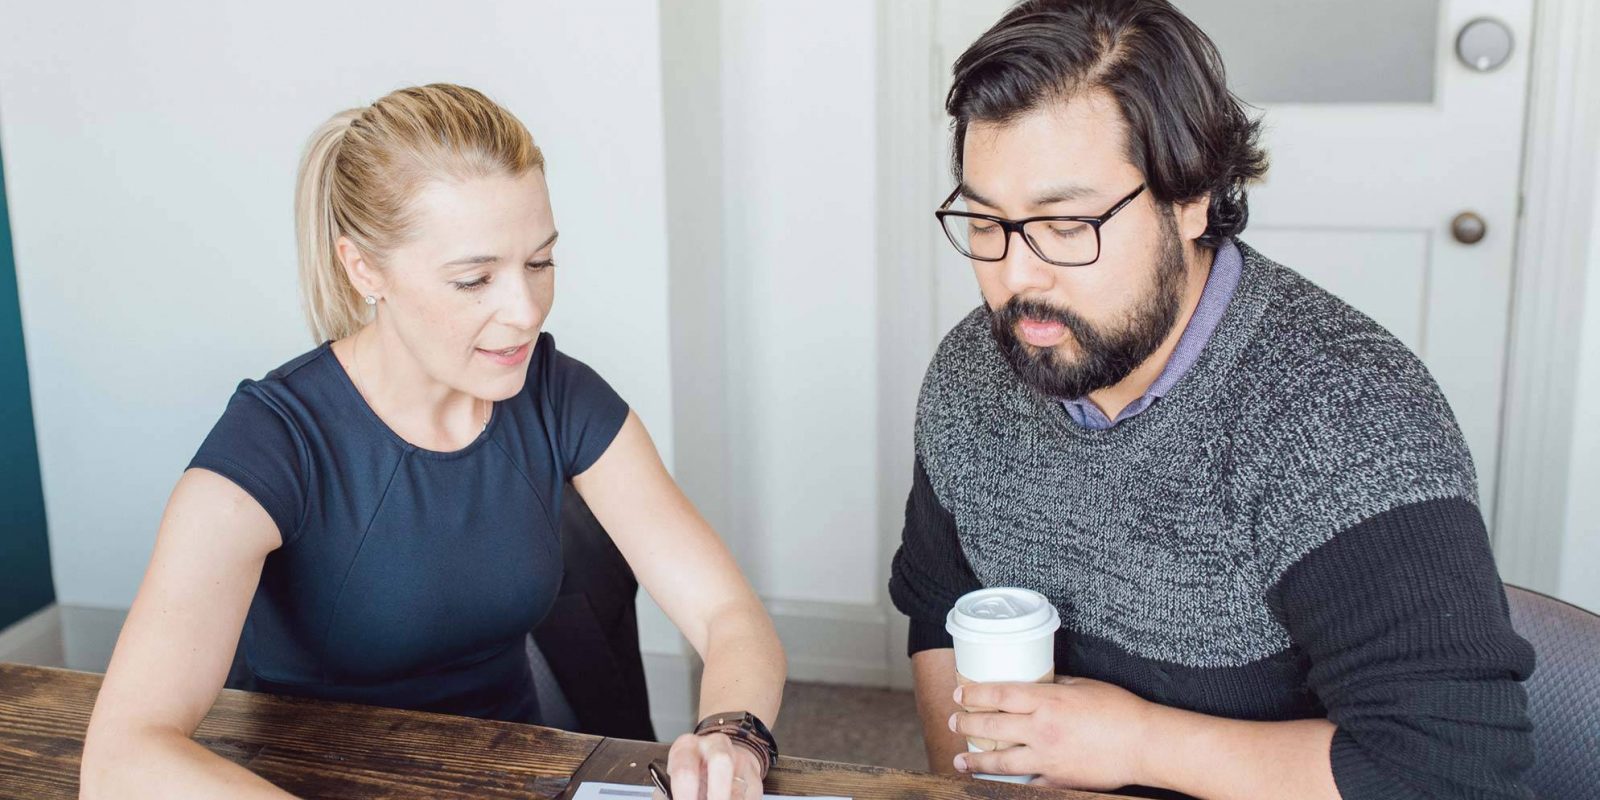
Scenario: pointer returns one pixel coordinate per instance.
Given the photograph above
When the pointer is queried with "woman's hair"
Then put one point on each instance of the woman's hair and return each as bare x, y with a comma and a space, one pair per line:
364, 166
1185, 131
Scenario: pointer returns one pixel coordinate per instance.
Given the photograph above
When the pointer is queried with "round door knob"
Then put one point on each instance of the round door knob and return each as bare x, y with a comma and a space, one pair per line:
1468, 228
1484, 44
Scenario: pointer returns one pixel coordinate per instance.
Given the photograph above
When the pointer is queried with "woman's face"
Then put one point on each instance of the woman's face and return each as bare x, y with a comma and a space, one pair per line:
469, 291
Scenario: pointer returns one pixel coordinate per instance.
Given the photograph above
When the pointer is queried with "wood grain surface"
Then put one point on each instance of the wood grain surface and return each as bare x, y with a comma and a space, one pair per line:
316, 749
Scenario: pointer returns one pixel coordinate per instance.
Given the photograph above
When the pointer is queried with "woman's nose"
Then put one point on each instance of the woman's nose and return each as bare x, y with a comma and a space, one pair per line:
519, 305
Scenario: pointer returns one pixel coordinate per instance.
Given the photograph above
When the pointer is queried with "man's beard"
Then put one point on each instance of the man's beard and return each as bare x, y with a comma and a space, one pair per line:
1104, 357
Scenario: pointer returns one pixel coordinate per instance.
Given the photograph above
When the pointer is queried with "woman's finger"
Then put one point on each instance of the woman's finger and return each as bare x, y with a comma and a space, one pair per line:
717, 753
748, 769
683, 767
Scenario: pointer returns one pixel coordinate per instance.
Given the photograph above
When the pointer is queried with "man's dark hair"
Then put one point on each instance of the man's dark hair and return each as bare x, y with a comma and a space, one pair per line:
1185, 131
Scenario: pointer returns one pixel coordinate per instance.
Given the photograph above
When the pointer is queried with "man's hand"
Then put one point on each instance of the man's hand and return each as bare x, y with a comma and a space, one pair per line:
1076, 732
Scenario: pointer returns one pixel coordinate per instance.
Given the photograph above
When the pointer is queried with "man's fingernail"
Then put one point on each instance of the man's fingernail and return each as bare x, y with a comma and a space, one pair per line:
961, 762
957, 695
952, 722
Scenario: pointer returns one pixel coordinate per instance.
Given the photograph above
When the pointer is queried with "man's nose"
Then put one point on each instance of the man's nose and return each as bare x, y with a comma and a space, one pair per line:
1022, 271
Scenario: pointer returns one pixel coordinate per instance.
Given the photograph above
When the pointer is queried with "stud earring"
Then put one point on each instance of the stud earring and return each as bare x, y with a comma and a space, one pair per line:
371, 300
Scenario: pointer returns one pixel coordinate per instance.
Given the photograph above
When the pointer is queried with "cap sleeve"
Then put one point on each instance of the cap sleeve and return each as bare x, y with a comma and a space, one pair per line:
588, 412
256, 447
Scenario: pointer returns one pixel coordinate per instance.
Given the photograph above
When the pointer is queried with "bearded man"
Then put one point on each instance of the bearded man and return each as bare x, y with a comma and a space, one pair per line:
1250, 504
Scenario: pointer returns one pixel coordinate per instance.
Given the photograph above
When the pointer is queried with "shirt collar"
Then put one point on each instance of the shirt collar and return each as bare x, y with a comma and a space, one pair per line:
1227, 266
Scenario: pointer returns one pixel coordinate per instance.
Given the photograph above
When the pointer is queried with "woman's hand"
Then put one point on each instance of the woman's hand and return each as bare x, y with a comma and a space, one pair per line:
712, 767
1076, 732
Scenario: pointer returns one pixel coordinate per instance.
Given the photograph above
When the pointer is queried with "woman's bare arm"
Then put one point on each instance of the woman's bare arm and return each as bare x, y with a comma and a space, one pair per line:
682, 563
690, 573
175, 650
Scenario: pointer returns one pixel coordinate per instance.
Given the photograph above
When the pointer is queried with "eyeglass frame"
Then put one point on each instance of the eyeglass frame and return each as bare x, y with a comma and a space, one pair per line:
1010, 226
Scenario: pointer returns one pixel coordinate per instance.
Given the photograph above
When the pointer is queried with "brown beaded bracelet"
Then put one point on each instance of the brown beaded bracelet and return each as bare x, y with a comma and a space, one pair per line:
746, 730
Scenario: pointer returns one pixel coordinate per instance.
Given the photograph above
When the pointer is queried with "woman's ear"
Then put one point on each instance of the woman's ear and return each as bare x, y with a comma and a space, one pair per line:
367, 279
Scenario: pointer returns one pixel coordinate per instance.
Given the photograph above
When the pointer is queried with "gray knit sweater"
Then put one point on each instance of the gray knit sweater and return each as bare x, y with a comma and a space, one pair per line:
1273, 539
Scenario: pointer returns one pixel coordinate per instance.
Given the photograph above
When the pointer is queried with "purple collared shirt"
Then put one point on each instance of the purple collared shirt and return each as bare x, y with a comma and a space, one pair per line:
1226, 267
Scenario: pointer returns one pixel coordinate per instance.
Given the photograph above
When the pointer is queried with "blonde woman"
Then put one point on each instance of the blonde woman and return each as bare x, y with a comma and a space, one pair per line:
378, 515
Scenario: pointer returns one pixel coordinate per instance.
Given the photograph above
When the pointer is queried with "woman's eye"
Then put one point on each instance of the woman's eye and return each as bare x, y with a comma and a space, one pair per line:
482, 281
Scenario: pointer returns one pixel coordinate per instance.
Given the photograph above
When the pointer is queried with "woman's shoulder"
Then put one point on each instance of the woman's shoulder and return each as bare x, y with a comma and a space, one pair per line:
556, 375
285, 408
295, 366
305, 372
310, 390
578, 407
262, 440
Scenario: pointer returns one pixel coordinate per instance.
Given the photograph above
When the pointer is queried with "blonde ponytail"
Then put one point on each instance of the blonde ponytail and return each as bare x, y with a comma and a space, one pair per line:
362, 167
332, 309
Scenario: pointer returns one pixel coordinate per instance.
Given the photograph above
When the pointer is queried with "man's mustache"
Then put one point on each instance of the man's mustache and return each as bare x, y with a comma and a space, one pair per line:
1019, 308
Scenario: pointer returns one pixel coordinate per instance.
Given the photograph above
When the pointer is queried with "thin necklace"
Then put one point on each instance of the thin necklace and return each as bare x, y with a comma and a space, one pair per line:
355, 356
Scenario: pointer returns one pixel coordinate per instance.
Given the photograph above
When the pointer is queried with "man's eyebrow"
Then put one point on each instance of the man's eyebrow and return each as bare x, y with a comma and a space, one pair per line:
1059, 194
490, 259
972, 195
1064, 193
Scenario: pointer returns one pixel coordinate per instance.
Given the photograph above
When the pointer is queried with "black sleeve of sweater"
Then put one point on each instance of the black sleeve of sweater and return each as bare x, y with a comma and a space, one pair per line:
1404, 620
930, 572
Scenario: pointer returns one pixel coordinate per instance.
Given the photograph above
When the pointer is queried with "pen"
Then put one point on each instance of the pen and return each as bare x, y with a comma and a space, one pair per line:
658, 776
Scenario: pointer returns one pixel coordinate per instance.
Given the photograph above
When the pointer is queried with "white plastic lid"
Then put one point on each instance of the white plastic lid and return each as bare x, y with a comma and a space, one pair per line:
1002, 613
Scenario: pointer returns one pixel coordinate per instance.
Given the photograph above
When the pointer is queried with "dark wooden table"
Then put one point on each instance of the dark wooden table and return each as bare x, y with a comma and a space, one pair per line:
316, 749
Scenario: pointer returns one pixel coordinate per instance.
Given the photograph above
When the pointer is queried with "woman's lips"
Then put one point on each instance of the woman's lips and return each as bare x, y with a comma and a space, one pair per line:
507, 357
1041, 333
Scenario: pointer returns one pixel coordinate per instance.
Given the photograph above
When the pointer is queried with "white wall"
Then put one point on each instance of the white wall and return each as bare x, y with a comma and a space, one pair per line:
691, 55
799, 100
772, 213
1580, 551
150, 154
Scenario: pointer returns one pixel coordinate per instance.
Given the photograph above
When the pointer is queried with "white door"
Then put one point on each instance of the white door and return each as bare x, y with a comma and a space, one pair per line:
1379, 136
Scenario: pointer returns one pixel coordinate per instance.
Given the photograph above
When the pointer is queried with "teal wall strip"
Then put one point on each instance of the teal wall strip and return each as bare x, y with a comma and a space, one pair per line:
25, 584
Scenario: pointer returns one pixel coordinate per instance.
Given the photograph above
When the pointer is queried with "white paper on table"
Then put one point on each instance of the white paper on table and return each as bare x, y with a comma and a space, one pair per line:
622, 791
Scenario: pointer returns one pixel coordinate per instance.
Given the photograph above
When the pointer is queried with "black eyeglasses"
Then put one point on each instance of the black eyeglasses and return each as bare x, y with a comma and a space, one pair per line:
1069, 241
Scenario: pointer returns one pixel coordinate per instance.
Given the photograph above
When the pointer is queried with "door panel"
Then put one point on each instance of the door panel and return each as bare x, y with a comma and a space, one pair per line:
1324, 51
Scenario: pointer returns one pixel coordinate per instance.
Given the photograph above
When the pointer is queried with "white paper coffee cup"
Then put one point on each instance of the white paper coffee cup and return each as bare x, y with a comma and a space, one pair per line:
1003, 634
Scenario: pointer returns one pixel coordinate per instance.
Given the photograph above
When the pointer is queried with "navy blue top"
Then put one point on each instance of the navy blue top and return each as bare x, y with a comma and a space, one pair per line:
407, 577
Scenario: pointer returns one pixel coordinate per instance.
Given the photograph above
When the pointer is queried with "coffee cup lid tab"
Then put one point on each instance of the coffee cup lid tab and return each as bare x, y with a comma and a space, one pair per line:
1001, 610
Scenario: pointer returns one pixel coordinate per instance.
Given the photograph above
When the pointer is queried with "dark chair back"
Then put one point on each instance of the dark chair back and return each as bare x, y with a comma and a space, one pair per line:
590, 638
1563, 694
